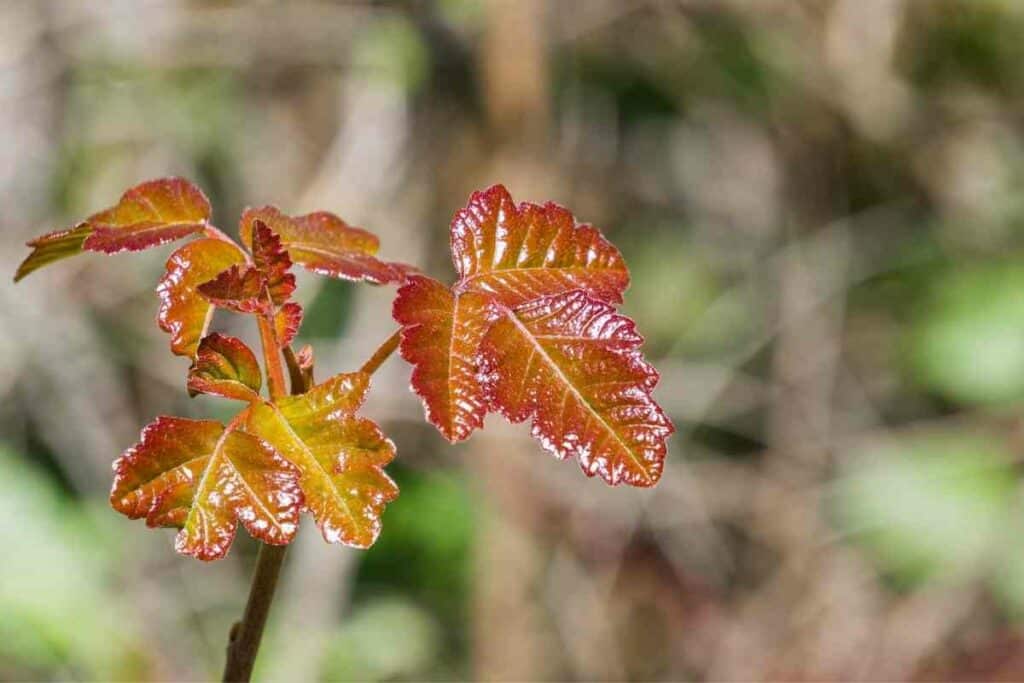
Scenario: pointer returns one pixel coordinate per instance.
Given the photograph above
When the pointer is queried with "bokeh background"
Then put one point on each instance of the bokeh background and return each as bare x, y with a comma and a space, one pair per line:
821, 204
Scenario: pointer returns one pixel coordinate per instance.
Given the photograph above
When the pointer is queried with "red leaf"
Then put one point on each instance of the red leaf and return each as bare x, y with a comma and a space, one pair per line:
520, 253
184, 313
573, 364
441, 334
239, 289
325, 244
272, 261
194, 475
341, 456
287, 321
224, 366
147, 215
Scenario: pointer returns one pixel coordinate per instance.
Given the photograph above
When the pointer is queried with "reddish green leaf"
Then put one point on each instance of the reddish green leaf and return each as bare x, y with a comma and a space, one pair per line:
52, 247
239, 288
441, 333
340, 456
520, 253
184, 313
225, 366
272, 261
325, 244
194, 475
147, 215
287, 321
573, 365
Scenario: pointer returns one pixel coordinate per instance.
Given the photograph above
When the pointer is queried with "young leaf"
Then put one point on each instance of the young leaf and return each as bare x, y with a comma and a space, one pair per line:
304, 359
520, 253
340, 456
287, 321
194, 475
224, 366
573, 364
441, 333
148, 215
272, 261
184, 313
325, 244
239, 288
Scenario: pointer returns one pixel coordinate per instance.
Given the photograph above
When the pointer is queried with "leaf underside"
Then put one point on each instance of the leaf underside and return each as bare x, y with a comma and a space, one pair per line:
340, 456
194, 475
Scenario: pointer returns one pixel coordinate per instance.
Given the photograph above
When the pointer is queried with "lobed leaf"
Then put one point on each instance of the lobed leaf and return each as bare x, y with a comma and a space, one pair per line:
225, 366
441, 334
325, 244
203, 479
147, 215
340, 456
573, 365
184, 312
520, 253
240, 289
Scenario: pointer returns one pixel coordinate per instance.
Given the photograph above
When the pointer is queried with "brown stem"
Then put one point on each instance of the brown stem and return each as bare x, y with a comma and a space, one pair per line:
245, 636
382, 353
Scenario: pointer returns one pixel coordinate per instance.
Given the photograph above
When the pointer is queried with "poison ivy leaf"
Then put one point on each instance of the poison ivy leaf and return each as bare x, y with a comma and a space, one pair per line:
147, 215
520, 253
184, 313
325, 244
225, 366
340, 456
441, 334
287, 321
203, 479
573, 364
239, 289
272, 261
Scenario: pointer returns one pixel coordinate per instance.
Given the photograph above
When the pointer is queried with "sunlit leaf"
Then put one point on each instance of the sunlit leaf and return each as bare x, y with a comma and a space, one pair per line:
340, 456
225, 366
273, 262
194, 475
239, 289
147, 215
520, 253
287, 321
441, 333
184, 313
573, 365
325, 244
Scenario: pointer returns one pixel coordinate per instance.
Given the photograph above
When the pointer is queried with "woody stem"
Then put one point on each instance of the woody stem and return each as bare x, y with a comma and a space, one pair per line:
245, 636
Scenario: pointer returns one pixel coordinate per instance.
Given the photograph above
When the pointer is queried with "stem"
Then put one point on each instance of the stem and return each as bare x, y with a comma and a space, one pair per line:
245, 636
382, 353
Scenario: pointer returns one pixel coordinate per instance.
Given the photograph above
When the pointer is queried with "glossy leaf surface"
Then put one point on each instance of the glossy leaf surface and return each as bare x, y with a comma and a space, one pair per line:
147, 215
184, 312
194, 475
225, 366
273, 262
573, 365
340, 456
325, 244
239, 288
522, 252
441, 334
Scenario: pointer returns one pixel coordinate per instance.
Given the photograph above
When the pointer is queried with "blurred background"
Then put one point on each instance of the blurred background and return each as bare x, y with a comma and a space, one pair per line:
820, 204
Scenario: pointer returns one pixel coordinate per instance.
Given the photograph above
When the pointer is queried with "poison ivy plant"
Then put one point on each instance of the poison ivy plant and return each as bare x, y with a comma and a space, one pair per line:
529, 330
